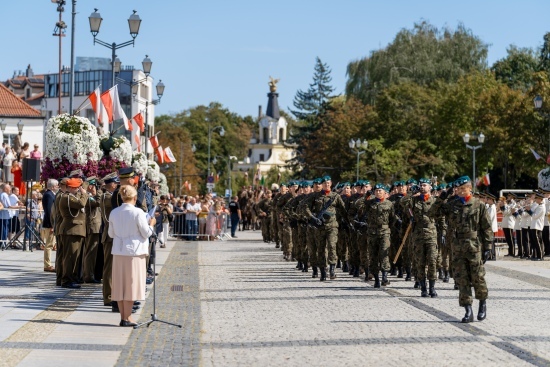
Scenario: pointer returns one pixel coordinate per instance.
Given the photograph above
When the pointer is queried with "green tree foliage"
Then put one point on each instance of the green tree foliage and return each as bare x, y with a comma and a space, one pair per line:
421, 55
517, 68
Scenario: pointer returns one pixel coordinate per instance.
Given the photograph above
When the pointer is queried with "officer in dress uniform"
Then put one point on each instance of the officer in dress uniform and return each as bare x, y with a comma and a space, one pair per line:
72, 230
110, 184
57, 219
93, 228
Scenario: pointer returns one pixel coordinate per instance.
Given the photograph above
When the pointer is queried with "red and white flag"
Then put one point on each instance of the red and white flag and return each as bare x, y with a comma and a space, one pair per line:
137, 139
154, 142
486, 180
138, 118
160, 155
97, 106
168, 156
112, 106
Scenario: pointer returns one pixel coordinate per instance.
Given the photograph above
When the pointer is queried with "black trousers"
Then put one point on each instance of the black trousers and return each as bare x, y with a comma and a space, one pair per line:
546, 240
525, 242
519, 242
509, 236
535, 239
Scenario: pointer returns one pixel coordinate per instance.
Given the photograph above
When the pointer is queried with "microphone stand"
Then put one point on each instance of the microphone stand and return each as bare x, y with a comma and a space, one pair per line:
154, 314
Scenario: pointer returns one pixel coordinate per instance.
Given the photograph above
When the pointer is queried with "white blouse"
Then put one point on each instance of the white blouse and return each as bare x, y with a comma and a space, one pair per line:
129, 230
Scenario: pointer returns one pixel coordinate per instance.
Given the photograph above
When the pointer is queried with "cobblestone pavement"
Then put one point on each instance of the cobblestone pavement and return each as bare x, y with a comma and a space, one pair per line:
240, 304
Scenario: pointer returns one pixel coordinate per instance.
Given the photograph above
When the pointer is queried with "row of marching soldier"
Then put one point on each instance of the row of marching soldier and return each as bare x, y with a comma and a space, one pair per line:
80, 216
413, 229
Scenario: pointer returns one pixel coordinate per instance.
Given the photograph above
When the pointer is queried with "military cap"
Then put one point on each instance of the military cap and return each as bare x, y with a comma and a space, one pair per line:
388, 188
284, 184
74, 182
91, 180
396, 183
325, 179
126, 172
462, 181
76, 173
544, 191
511, 194
317, 181
443, 186
539, 195
294, 183
63, 181
344, 184
412, 181
381, 186
111, 177
307, 183
424, 180
365, 183
491, 196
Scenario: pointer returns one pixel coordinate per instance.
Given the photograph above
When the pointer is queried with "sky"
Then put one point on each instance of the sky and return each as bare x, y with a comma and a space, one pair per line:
225, 51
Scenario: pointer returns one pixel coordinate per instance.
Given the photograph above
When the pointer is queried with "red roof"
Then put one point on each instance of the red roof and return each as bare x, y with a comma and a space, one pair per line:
13, 106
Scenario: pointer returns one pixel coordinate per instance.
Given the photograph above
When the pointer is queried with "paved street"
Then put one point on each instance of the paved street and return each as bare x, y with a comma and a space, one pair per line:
240, 304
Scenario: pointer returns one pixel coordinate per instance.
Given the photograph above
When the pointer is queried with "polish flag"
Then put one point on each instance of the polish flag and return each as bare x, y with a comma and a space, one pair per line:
97, 106
486, 180
154, 142
160, 154
111, 102
168, 156
138, 118
137, 139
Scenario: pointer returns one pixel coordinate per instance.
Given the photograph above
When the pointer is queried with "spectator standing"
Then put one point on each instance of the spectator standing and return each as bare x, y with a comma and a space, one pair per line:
17, 173
192, 210
15, 203
4, 214
9, 157
35, 154
235, 211
52, 186
178, 215
202, 218
166, 212
25, 152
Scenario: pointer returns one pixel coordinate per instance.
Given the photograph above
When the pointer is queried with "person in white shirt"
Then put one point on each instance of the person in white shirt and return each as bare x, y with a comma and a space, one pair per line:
525, 226
191, 211
130, 232
492, 210
506, 206
517, 225
537, 211
546, 229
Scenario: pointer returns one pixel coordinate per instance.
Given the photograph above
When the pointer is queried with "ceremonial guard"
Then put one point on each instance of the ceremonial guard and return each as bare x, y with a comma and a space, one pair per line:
110, 183
537, 211
275, 224
93, 228
288, 192
264, 208
57, 219
344, 230
396, 230
358, 218
311, 242
72, 230
420, 207
472, 248
508, 221
321, 208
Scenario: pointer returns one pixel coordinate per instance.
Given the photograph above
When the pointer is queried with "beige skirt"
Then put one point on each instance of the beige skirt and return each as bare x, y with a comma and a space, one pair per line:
129, 276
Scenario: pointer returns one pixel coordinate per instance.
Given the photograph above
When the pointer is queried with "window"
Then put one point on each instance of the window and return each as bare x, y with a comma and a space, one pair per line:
266, 135
28, 93
262, 157
281, 135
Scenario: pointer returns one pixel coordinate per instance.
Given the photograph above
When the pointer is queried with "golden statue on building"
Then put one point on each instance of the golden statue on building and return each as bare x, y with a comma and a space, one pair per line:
273, 84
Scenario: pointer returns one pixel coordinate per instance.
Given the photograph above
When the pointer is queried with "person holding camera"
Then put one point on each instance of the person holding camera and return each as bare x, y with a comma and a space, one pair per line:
166, 212
130, 230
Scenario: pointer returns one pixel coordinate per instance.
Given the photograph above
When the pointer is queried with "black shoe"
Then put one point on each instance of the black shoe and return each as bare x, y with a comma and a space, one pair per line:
93, 281
351, 270
385, 280
446, 277
135, 307
423, 290
345, 267
356, 272
323, 273
393, 271
376, 281
482, 313
127, 323
71, 285
305, 269
469, 316
315, 272
137, 303
408, 278
277, 245
432, 291
332, 272
234, 237
299, 266
339, 265
400, 272
440, 274
416, 284
456, 287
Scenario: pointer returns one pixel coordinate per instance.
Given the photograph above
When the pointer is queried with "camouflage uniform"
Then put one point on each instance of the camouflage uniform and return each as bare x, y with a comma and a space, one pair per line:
264, 207
396, 232
286, 229
310, 240
355, 234
290, 212
275, 220
344, 235
380, 215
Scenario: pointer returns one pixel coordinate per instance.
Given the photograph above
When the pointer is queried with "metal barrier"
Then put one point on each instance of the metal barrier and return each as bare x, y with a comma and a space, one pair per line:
23, 221
215, 227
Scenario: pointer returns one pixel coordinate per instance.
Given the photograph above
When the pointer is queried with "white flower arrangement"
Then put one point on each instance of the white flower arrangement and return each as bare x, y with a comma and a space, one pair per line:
544, 178
153, 171
73, 138
163, 185
139, 163
122, 150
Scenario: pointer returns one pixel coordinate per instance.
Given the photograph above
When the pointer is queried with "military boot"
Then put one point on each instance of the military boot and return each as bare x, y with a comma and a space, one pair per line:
416, 284
440, 273
367, 275
376, 281
469, 316
323, 273
345, 267
408, 278
338, 264
299, 266
456, 286
277, 245
305, 269
314, 274
433, 293
400, 272
356, 272
423, 290
332, 271
385, 280
393, 271
446, 277
482, 313
351, 270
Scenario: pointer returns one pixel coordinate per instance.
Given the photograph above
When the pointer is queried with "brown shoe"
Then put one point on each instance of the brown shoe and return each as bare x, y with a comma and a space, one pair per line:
50, 269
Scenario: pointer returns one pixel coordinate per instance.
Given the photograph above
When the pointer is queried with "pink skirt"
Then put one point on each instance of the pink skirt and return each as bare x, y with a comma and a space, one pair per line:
129, 276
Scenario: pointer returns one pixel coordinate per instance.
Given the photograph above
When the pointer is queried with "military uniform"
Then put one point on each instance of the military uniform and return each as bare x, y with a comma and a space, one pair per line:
396, 235
355, 234
344, 233
73, 232
275, 227
286, 229
93, 228
58, 218
325, 204
310, 239
264, 207
298, 247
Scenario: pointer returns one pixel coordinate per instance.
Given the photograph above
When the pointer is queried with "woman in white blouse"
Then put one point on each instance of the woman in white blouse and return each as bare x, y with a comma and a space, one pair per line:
130, 232
8, 159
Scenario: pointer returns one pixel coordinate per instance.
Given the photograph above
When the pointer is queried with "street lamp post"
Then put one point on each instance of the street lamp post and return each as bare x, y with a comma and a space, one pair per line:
134, 21
356, 146
538, 106
210, 129
480, 138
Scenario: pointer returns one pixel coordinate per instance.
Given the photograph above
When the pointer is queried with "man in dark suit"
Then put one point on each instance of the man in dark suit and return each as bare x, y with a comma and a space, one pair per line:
52, 186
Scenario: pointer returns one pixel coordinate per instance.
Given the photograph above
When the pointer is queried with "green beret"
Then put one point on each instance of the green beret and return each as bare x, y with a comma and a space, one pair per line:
412, 181
425, 181
284, 184
462, 180
325, 179
344, 184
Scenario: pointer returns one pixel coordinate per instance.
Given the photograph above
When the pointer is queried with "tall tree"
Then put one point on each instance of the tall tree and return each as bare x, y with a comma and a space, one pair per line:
517, 68
421, 55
